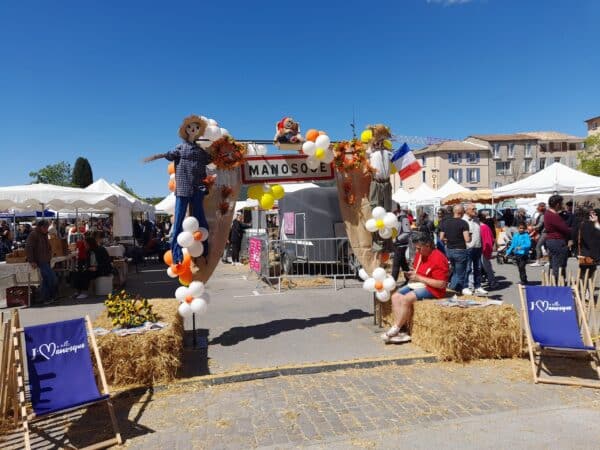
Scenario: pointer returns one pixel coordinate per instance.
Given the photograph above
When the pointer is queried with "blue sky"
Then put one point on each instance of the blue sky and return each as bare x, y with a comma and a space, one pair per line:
112, 80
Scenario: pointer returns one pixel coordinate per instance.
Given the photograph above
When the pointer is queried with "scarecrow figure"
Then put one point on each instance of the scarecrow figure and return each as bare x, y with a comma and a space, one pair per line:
380, 158
190, 173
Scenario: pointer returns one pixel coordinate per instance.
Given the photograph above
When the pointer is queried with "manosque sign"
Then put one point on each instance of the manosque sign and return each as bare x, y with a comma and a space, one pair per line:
282, 169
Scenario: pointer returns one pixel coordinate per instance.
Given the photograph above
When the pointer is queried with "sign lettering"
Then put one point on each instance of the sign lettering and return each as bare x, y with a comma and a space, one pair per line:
282, 169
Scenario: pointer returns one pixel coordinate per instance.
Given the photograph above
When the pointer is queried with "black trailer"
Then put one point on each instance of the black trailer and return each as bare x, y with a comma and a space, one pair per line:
312, 232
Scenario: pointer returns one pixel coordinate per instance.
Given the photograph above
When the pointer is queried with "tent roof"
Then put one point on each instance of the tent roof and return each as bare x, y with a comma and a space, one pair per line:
592, 189
293, 187
423, 194
401, 196
166, 205
126, 199
32, 196
555, 178
450, 187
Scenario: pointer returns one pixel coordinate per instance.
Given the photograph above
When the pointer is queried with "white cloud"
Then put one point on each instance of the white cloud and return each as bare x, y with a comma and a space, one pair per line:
450, 2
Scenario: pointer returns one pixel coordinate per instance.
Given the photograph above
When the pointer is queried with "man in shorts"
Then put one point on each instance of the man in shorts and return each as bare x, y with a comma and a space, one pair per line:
428, 280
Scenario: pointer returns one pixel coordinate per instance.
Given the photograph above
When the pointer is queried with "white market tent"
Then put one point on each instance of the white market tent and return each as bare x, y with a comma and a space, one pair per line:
166, 205
587, 190
293, 187
423, 195
401, 196
449, 187
32, 197
138, 205
554, 178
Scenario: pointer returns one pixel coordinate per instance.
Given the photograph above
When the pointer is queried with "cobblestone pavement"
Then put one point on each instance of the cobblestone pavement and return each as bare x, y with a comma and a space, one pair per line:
344, 409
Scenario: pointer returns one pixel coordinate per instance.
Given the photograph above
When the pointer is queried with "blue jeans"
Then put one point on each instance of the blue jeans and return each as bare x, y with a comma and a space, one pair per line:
559, 255
49, 287
181, 206
420, 293
473, 267
458, 259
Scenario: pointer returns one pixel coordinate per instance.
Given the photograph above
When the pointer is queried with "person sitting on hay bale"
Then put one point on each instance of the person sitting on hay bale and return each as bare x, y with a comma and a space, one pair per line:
428, 280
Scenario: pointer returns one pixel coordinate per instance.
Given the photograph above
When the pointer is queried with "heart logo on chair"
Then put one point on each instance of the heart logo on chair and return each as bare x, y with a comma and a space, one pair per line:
542, 305
47, 350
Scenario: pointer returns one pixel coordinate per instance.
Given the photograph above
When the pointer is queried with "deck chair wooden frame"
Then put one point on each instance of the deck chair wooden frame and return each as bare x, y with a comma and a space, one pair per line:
536, 352
21, 414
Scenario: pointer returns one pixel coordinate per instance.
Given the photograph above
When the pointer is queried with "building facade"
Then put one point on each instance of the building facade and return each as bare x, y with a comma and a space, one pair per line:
466, 162
593, 125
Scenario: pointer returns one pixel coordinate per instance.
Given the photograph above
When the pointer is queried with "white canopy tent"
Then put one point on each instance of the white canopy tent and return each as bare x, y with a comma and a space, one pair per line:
554, 178
449, 187
401, 197
587, 190
122, 220
423, 195
138, 205
166, 205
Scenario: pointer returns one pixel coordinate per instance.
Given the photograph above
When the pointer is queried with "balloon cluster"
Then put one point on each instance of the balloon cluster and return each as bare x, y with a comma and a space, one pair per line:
171, 172
317, 148
266, 194
386, 223
212, 133
367, 136
256, 149
380, 283
192, 299
190, 239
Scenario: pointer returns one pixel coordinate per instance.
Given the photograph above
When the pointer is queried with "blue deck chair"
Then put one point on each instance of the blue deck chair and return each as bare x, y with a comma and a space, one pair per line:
551, 317
61, 375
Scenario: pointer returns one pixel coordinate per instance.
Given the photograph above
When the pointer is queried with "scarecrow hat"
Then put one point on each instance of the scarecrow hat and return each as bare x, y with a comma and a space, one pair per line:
380, 132
192, 119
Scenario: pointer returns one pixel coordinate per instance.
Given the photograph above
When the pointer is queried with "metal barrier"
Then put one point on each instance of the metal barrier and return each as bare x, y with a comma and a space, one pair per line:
330, 258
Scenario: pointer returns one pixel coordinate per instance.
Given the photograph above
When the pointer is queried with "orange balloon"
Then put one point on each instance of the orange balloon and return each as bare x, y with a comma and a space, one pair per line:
187, 260
378, 285
185, 278
171, 168
178, 269
172, 185
312, 135
168, 258
198, 235
385, 257
189, 299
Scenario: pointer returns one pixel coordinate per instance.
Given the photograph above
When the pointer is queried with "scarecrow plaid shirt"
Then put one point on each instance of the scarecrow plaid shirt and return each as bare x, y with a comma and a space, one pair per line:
190, 168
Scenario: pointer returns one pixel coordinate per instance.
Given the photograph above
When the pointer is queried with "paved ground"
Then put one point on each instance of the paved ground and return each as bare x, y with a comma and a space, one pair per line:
480, 405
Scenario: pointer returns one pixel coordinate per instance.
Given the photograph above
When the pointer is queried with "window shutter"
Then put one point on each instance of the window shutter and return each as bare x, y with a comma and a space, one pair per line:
477, 156
478, 173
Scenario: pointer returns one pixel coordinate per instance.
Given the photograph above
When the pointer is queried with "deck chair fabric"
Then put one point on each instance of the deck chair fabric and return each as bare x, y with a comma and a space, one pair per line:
553, 317
60, 369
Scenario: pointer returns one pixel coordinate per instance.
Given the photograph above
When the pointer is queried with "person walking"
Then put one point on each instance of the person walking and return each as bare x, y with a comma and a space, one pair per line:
473, 252
454, 233
401, 246
557, 236
487, 248
235, 238
588, 245
39, 255
539, 232
520, 245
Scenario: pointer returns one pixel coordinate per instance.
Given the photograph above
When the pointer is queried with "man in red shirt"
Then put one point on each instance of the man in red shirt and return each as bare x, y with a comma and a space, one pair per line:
428, 280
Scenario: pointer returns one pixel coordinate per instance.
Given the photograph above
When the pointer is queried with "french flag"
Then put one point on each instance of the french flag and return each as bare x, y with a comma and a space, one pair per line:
405, 162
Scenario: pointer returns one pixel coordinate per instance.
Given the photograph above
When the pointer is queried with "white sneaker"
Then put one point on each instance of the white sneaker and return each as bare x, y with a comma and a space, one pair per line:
547, 264
535, 264
81, 296
393, 331
399, 339
467, 291
481, 291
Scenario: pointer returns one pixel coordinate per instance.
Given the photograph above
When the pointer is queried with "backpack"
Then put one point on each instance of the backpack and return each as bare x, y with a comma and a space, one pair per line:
403, 238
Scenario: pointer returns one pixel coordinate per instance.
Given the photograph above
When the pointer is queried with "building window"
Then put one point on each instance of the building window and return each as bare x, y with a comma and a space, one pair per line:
424, 176
527, 166
473, 157
542, 163
422, 161
455, 174
454, 158
496, 149
557, 159
572, 146
503, 168
473, 176
497, 184
511, 150
527, 150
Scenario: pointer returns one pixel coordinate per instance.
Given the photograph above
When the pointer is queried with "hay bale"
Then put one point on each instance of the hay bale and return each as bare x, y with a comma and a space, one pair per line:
464, 334
152, 357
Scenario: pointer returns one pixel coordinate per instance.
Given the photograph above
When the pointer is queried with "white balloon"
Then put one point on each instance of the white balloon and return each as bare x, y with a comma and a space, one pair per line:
199, 306
196, 288
190, 224
172, 176
382, 296
171, 274
196, 249
212, 123
371, 225
313, 163
181, 293
390, 220
362, 273
385, 233
379, 274
388, 284
204, 232
185, 239
369, 285
212, 133
184, 310
323, 141
308, 148
204, 118
261, 150
328, 157
225, 132
252, 149
204, 144
378, 212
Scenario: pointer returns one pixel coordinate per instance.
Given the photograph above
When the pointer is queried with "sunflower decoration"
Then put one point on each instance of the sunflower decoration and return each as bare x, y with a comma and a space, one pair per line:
350, 156
227, 153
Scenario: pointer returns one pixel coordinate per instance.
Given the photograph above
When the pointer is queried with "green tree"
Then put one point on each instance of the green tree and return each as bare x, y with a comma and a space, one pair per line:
59, 174
589, 159
123, 185
82, 173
